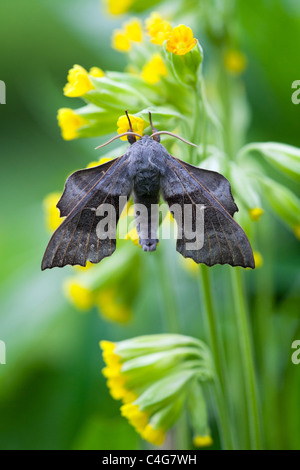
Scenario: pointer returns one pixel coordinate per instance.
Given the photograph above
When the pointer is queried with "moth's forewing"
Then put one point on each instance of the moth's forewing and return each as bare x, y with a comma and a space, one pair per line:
77, 240
225, 242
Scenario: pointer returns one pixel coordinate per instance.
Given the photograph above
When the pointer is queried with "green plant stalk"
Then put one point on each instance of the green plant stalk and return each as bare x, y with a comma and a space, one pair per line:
244, 335
218, 355
171, 310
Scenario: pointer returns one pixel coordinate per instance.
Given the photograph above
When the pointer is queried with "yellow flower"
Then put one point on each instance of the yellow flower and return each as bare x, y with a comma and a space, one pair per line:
235, 61
120, 41
256, 213
69, 122
202, 441
158, 29
133, 236
79, 295
137, 418
154, 69
100, 162
118, 7
154, 436
111, 308
138, 125
131, 32
113, 372
53, 219
258, 259
190, 265
96, 72
297, 231
181, 40
79, 82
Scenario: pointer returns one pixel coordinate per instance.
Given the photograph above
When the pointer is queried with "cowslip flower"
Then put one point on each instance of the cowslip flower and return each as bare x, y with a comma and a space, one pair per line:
130, 32
256, 213
78, 294
111, 307
154, 69
158, 29
235, 61
297, 231
155, 376
181, 41
70, 123
52, 213
138, 125
79, 82
258, 259
118, 7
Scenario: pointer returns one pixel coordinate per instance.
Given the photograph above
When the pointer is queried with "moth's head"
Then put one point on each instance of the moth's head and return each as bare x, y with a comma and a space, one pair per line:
131, 135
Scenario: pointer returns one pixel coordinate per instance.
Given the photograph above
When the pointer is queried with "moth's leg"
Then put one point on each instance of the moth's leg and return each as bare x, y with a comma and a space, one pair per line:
147, 220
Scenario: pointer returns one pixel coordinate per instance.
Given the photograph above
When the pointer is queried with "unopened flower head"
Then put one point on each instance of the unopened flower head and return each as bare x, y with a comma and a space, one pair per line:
153, 376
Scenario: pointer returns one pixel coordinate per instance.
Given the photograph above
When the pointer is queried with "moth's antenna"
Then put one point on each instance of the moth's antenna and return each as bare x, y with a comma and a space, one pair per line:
117, 137
151, 124
173, 135
130, 126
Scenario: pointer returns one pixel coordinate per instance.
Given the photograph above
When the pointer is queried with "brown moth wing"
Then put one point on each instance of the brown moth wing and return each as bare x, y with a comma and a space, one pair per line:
76, 241
225, 242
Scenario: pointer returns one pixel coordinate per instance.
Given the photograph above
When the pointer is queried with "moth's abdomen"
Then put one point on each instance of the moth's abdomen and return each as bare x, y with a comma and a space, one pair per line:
146, 199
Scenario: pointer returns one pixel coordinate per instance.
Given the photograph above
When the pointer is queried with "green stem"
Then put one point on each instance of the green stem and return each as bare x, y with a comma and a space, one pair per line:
218, 355
170, 304
246, 349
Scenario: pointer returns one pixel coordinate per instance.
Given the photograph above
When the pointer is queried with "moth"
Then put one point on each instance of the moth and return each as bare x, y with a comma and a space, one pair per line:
147, 171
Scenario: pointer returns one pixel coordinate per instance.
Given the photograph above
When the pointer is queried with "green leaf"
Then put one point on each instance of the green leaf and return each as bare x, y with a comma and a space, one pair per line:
283, 201
285, 158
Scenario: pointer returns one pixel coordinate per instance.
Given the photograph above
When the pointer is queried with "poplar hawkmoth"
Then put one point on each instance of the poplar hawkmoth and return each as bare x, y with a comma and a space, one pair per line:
147, 171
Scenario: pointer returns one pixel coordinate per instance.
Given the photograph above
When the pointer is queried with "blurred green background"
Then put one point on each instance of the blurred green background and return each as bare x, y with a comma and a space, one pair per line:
52, 394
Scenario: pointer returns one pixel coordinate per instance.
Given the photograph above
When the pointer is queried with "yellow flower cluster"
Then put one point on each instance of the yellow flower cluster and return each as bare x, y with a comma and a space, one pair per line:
106, 300
79, 82
180, 39
119, 390
131, 32
138, 125
158, 29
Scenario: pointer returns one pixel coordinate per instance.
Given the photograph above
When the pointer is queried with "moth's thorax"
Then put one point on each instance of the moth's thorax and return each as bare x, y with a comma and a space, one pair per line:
147, 163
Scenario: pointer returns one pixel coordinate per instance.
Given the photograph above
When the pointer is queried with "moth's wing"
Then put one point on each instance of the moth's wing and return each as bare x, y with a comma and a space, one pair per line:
215, 183
80, 183
77, 240
224, 241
